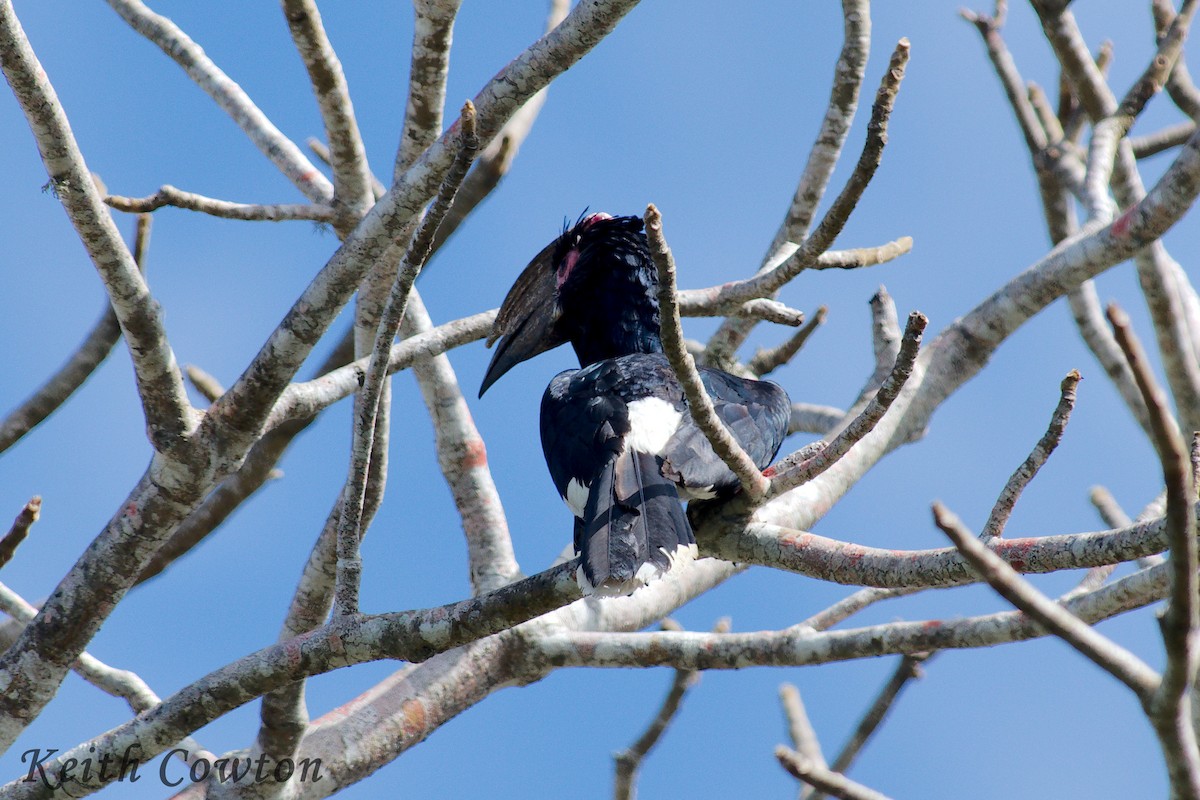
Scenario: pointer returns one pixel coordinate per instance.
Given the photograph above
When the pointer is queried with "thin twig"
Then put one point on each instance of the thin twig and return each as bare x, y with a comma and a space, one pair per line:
771, 311
628, 762
800, 728
885, 342
225, 209
907, 670
1089, 319
849, 71
1110, 511
233, 100
1041, 104
20, 529
1010, 79
788, 479
1151, 144
851, 605
859, 257
771, 280
765, 361
208, 386
83, 362
700, 405
1179, 84
830, 783
1102, 651
813, 418
349, 567
1025, 473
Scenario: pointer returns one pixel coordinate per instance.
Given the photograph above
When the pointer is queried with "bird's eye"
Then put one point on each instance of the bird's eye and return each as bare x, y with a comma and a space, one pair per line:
577, 240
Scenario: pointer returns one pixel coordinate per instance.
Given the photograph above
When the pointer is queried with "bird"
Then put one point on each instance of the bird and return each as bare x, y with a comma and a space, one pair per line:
621, 447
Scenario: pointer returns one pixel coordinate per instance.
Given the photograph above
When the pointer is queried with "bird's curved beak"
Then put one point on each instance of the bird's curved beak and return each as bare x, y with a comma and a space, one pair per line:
526, 324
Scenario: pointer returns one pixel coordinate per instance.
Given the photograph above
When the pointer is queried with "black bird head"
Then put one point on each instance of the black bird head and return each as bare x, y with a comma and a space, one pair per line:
594, 286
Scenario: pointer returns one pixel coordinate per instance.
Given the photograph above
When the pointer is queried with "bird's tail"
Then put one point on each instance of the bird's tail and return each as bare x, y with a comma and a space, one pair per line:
633, 526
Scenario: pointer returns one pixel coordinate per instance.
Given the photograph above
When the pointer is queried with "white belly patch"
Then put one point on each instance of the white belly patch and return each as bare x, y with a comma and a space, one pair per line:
652, 422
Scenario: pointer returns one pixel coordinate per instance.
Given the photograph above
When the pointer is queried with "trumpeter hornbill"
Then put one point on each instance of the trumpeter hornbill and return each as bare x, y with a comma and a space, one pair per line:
620, 444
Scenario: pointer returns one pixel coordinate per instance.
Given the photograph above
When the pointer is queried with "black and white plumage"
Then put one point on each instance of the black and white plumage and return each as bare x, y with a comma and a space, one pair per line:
621, 447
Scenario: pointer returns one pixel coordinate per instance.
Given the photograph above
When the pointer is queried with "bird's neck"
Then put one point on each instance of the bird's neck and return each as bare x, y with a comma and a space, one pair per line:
615, 317
616, 337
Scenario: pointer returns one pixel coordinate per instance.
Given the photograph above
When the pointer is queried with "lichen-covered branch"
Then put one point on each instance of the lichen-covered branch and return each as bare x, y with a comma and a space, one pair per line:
351, 174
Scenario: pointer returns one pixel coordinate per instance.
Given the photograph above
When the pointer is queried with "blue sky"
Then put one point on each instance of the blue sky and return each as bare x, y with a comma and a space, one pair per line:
708, 111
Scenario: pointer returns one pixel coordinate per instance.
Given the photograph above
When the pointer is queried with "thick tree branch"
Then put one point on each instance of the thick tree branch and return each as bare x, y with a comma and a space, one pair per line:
845, 562
408, 635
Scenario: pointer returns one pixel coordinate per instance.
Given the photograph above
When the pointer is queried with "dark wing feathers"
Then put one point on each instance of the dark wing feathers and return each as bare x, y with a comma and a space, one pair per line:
756, 413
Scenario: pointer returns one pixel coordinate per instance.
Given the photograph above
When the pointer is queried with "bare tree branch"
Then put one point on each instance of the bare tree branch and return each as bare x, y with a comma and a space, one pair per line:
1152, 144
700, 406
169, 417
351, 175
349, 566
774, 278
765, 362
1170, 707
907, 670
79, 367
845, 562
170, 196
20, 529
786, 476
804, 769
1025, 473
822, 158
232, 99
1106, 654
803, 735
629, 761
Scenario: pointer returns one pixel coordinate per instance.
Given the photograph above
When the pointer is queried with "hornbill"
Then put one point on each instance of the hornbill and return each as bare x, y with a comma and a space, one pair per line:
620, 444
